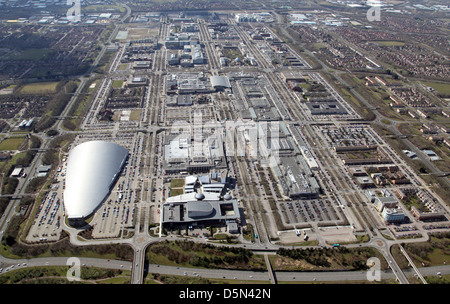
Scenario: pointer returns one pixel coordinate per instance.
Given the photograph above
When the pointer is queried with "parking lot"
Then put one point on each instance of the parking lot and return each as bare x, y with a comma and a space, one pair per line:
118, 211
47, 223
307, 211
115, 214
112, 218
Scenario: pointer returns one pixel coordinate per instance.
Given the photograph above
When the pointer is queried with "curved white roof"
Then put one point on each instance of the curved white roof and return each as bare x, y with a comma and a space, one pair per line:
220, 81
91, 169
190, 180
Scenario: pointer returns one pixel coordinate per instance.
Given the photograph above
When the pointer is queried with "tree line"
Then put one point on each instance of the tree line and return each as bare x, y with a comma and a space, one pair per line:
56, 106
211, 256
347, 258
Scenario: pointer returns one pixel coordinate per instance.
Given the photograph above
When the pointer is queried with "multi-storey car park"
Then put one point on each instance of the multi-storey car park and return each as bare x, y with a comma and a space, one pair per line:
238, 135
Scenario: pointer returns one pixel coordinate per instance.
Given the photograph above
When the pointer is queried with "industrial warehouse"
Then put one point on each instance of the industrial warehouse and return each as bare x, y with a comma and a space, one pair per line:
187, 151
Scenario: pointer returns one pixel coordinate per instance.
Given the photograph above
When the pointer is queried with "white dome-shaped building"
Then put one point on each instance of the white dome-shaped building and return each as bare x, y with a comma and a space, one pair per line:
92, 169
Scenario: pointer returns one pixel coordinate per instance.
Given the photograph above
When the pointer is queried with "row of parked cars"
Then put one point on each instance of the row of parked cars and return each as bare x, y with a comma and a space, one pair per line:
12, 266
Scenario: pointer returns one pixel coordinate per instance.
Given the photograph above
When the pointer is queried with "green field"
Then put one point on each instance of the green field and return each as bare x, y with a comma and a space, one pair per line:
176, 186
177, 183
191, 254
117, 83
39, 88
123, 66
135, 115
101, 8
389, 43
434, 252
175, 192
30, 54
12, 143
58, 275
441, 88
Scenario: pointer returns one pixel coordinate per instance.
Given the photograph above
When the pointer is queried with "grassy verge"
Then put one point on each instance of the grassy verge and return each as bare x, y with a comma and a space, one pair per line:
330, 259
192, 254
39, 88
156, 278
443, 89
434, 252
58, 275
12, 143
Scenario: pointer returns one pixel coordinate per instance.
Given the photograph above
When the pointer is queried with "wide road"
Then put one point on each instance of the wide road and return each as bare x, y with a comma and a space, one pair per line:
256, 276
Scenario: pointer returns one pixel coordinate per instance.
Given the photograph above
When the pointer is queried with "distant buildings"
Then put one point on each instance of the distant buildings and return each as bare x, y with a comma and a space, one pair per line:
186, 151
285, 152
4, 156
188, 83
384, 202
17, 172
42, 171
393, 215
431, 154
220, 83
26, 124
430, 209
387, 205
365, 182
424, 209
179, 100
427, 216
245, 18
141, 65
188, 56
177, 41
254, 17
136, 81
